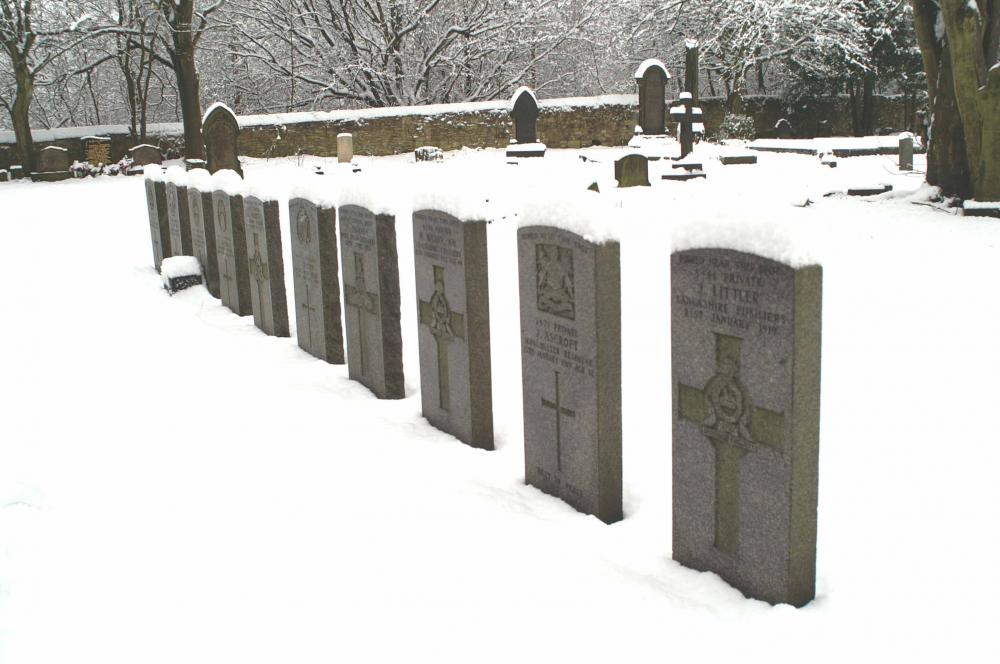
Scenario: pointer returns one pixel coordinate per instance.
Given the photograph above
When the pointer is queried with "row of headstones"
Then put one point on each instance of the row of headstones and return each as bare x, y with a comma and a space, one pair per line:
745, 341
53, 162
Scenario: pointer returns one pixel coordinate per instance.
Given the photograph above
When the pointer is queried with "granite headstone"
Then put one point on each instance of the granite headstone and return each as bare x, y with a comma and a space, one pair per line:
222, 139
315, 272
746, 378
453, 325
231, 249
267, 268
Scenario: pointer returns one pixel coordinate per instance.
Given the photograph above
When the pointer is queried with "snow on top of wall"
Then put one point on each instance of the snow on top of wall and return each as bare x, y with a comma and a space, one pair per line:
213, 107
229, 182
521, 90
587, 213
648, 64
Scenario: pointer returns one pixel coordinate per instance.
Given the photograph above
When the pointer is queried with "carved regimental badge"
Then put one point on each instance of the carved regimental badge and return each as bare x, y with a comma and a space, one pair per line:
303, 229
556, 291
220, 216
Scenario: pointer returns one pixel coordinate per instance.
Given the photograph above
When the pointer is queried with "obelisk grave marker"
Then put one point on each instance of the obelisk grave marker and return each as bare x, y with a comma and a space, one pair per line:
267, 268
453, 325
746, 379
371, 299
571, 368
317, 282
231, 248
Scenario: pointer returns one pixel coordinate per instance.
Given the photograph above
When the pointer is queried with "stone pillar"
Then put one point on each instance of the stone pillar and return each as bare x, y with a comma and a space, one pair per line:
906, 152
345, 148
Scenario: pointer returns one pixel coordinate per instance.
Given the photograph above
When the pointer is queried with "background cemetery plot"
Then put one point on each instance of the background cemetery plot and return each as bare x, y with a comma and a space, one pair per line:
177, 486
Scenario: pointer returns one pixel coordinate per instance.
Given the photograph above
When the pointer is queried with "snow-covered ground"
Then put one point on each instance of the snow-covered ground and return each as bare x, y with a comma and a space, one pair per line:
178, 488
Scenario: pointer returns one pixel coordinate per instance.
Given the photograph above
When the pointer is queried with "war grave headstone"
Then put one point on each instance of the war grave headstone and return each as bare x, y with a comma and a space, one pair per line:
200, 209
231, 249
453, 325
686, 114
632, 171
746, 377
179, 220
267, 267
159, 228
570, 292
53, 165
651, 77
371, 299
97, 149
345, 148
315, 272
221, 130
524, 112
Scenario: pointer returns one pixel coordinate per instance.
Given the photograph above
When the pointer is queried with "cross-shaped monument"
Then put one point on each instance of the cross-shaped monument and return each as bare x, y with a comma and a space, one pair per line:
445, 325
560, 412
728, 418
687, 114
357, 296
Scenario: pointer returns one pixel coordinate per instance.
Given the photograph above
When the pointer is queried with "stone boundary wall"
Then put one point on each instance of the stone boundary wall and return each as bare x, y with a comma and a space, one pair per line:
563, 123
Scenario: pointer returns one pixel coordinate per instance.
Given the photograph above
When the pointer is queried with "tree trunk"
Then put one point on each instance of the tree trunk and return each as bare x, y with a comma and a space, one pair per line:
182, 59
25, 144
868, 105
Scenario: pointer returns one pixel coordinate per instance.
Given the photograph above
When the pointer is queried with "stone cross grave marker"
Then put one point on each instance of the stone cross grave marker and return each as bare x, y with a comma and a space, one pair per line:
453, 325
632, 171
179, 220
159, 230
317, 282
231, 249
746, 378
686, 115
267, 267
371, 298
651, 78
222, 139
571, 368
202, 216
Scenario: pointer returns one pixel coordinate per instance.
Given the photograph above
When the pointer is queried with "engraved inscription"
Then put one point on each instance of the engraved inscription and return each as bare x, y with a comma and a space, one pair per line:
303, 227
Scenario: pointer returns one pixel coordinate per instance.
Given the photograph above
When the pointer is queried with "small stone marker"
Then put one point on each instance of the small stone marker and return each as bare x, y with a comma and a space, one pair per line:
746, 380
371, 298
824, 129
315, 272
783, 129
906, 152
16, 172
870, 191
231, 249
203, 237
4, 175
571, 368
453, 325
97, 149
53, 165
687, 115
651, 77
144, 155
179, 220
159, 228
738, 159
180, 273
345, 148
267, 267
221, 130
632, 171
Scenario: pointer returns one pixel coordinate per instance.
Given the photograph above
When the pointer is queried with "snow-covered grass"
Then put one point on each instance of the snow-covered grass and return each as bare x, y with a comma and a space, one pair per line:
176, 486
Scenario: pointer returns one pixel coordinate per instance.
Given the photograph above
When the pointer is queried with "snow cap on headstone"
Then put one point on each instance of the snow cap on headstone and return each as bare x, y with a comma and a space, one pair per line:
586, 213
650, 63
228, 181
521, 90
213, 107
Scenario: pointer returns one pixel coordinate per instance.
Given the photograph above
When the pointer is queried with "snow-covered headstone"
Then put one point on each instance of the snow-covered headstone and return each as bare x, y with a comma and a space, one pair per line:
783, 129
200, 209
52, 165
179, 220
371, 299
315, 273
144, 155
651, 77
632, 171
746, 378
267, 267
231, 249
524, 112
570, 292
221, 130
159, 229
453, 325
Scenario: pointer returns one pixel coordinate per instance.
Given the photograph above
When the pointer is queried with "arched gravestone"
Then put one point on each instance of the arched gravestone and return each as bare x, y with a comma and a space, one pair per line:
453, 325
652, 77
632, 171
315, 273
746, 379
570, 292
524, 112
221, 131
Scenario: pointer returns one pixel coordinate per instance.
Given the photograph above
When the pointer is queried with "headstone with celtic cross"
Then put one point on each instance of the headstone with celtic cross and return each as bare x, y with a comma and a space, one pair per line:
453, 325
371, 300
159, 229
200, 209
570, 292
231, 249
746, 369
179, 220
687, 115
267, 268
315, 271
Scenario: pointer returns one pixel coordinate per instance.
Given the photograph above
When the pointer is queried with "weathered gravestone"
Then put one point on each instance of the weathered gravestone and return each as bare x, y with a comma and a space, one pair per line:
52, 165
746, 379
179, 220
345, 148
201, 209
453, 321
571, 368
222, 139
144, 155
652, 77
906, 152
267, 267
317, 282
231, 249
524, 112
159, 229
632, 171
371, 299
783, 129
